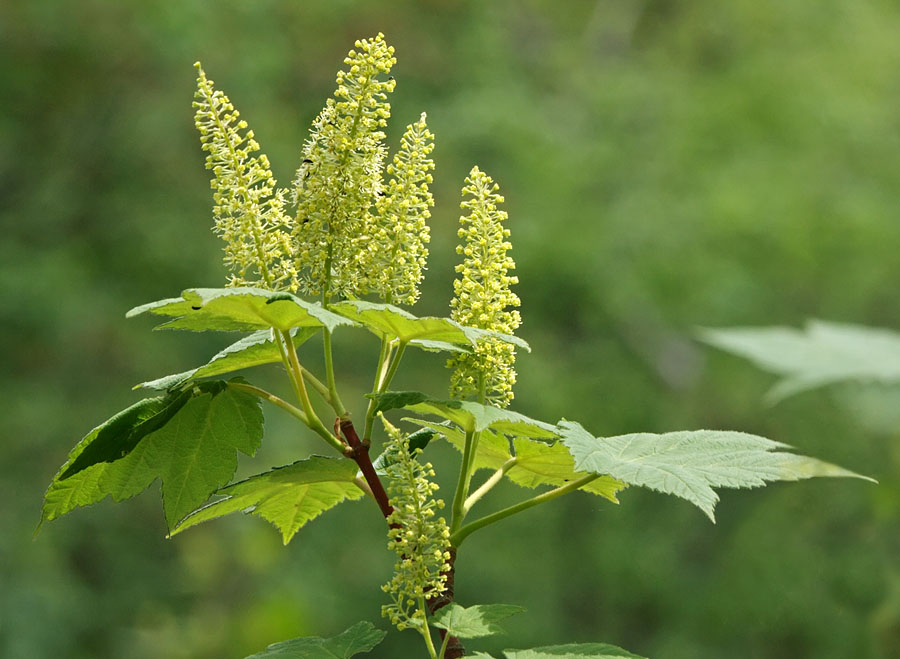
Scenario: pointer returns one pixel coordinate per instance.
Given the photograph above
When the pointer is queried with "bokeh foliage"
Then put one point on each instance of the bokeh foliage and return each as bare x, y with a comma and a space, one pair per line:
666, 164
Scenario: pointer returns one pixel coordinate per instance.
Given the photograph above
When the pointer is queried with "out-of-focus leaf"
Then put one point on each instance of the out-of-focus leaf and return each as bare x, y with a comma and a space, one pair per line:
573, 651
822, 354
361, 637
473, 621
469, 416
253, 350
288, 496
193, 452
239, 309
689, 464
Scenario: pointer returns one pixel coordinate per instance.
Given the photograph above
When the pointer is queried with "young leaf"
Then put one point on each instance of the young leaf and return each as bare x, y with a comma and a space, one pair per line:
572, 651
239, 309
534, 464
388, 321
361, 637
474, 621
492, 451
542, 464
253, 350
689, 464
471, 417
288, 496
193, 452
823, 354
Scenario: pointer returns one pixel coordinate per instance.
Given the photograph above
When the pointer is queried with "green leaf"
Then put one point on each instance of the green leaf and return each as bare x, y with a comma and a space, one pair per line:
240, 309
288, 496
254, 350
823, 354
536, 463
474, 621
541, 464
572, 651
492, 451
388, 321
361, 637
192, 450
471, 417
689, 464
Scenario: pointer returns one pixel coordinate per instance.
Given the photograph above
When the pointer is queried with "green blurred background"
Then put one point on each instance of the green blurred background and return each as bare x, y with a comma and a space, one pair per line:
666, 164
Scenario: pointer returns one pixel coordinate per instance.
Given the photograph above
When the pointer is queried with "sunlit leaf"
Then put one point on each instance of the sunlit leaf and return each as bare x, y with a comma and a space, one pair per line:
474, 621
388, 321
361, 637
288, 496
538, 463
822, 354
240, 309
467, 415
254, 350
572, 651
689, 464
492, 451
193, 450
535, 463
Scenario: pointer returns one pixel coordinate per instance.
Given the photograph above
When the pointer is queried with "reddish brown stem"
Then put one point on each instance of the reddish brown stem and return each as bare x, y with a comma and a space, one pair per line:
455, 648
359, 452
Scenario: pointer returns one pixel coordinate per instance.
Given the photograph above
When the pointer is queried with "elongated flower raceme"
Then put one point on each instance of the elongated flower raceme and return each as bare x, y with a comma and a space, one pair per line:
341, 175
248, 210
417, 536
482, 296
397, 250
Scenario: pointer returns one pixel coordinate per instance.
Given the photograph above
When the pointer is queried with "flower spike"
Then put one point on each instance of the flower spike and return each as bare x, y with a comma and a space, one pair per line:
482, 295
248, 209
419, 539
398, 244
340, 175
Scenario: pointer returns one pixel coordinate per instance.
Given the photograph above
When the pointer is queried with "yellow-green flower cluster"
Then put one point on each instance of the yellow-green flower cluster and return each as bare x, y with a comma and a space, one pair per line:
248, 210
417, 536
397, 251
482, 295
340, 176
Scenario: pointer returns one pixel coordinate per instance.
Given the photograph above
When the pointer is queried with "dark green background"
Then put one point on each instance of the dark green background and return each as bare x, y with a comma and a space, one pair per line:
666, 164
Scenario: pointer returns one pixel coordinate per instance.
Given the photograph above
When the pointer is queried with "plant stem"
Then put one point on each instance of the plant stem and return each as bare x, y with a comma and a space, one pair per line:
359, 452
488, 484
395, 362
447, 638
272, 398
317, 384
370, 410
456, 537
451, 646
458, 512
426, 632
289, 356
336, 403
